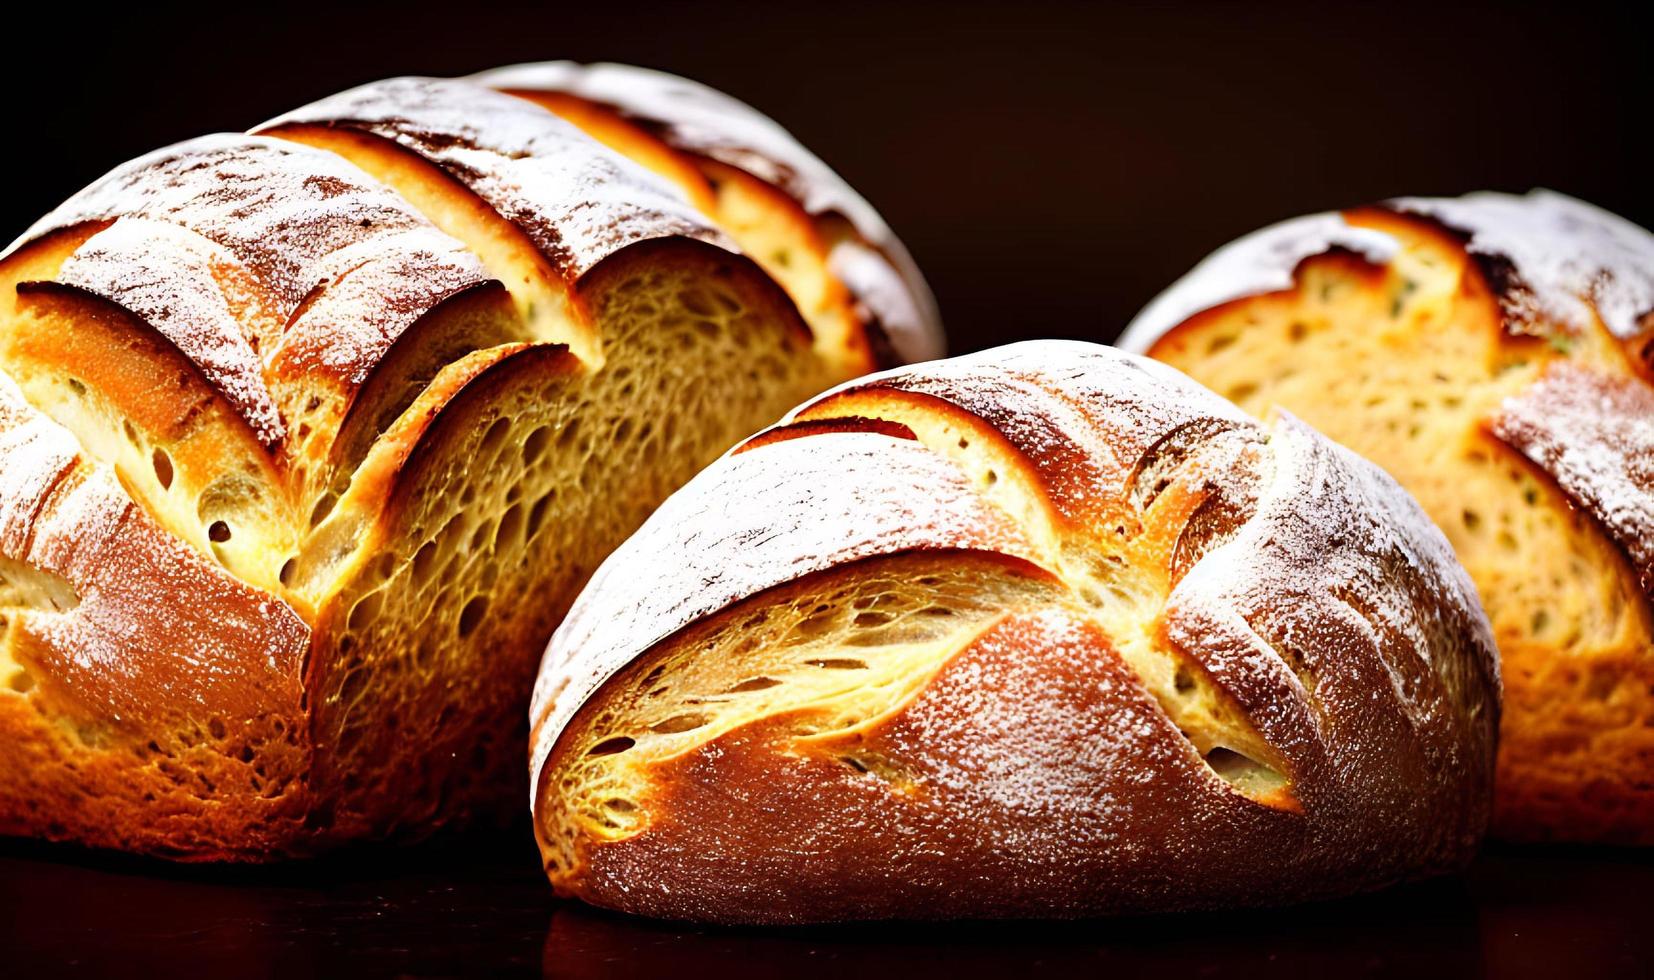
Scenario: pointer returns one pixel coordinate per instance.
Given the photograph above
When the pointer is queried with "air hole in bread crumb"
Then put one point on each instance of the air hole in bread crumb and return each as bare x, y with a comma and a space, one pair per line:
839, 663
511, 522
678, 723
471, 616
1244, 772
696, 302
323, 508
535, 445
1183, 680
536, 516
131, 433
163, 468
288, 567
753, 684
612, 746
215, 728
1603, 683
22, 682
496, 433
816, 623
424, 562
366, 610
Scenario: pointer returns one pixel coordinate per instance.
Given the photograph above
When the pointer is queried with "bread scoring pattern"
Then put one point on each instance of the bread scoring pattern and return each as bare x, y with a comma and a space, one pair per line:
307, 439
1493, 353
855, 283
1030, 632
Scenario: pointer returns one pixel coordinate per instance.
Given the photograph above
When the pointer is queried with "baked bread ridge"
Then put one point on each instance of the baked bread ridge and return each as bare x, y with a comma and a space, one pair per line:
332, 384
1043, 631
1495, 353
788, 209
90, 657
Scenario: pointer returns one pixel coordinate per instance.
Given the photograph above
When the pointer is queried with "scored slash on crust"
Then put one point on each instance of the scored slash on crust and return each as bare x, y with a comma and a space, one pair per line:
381, 387
1282, 627
1493, 353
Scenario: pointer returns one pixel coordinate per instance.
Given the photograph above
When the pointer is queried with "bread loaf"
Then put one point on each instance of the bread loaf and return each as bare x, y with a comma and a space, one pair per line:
307, 440
854, 282
1495, 354
1044, 631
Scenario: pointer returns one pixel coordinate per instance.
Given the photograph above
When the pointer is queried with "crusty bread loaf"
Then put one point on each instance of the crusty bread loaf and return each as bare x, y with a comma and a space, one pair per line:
308, 438
854, 282
1495, 354
1044, 631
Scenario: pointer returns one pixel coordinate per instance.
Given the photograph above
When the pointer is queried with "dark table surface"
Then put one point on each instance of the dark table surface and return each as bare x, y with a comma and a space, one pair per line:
481, 908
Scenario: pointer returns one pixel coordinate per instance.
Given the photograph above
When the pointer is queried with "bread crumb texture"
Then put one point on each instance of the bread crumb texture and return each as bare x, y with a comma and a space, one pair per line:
309, 437
1044, 631
1495, 355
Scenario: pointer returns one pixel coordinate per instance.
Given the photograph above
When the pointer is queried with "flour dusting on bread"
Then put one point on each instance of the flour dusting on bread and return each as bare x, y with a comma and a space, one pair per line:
1054, 623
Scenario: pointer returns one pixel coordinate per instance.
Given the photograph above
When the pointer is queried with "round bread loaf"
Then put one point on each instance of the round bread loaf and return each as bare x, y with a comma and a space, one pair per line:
309, 437
1495, 354
854, 281
1044, 631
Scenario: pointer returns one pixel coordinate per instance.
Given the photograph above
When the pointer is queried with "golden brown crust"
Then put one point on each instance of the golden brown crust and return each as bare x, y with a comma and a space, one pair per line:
644, 113
1593, 433
138, 718
305, 448
1512, 327
519, 159
1115, 631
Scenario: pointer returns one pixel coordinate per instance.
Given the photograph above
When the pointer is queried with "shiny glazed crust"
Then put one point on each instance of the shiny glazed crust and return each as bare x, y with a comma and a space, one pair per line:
1535, 315
1043, 631
309, 437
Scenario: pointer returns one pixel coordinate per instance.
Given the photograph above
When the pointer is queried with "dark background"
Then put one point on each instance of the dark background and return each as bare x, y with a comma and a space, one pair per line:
482, 908
1051, 166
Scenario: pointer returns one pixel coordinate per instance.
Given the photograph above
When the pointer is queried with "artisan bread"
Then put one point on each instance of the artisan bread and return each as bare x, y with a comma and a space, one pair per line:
854, 281
1495, 354
307, 440
1044, 631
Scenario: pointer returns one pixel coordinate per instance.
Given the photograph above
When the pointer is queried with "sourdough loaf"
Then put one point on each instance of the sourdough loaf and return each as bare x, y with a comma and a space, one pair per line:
1495, 354
308, 438
1044, 631
854, 281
